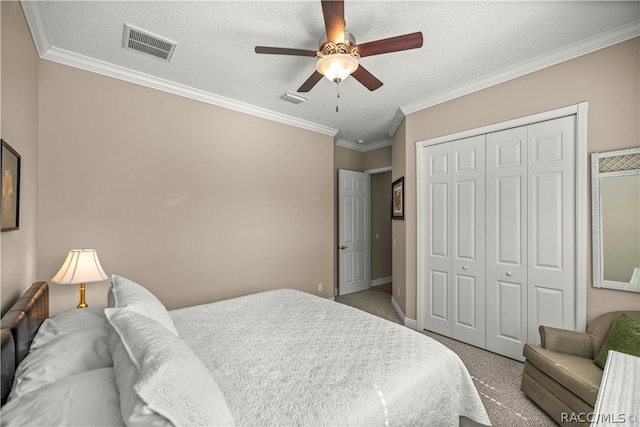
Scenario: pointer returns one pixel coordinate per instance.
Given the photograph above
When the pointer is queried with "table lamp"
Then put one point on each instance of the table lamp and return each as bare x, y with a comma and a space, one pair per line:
81, 266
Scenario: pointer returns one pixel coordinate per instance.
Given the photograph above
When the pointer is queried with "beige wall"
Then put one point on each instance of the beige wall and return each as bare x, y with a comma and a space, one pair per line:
608, 79
381, 255
399, 227
362, 161
20, 129
377, 159
196, 202
348, 159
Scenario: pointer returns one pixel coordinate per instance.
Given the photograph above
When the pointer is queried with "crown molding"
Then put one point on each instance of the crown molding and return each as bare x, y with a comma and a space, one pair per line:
396, 122
36, 26
363, 147
586, 46
348, 144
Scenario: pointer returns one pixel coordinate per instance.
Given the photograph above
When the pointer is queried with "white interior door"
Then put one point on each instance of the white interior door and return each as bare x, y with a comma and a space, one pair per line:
437, 257
454, 263
354, 268
531, 251
506, 253
551, 231
468, 240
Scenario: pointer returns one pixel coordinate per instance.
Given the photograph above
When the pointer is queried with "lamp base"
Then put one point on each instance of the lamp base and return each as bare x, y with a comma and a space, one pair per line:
82, 303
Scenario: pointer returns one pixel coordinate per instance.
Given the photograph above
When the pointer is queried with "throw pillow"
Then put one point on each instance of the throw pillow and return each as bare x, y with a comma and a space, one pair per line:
624, 337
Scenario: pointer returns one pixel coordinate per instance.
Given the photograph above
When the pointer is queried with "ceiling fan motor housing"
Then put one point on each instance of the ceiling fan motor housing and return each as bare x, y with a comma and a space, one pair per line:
346, 47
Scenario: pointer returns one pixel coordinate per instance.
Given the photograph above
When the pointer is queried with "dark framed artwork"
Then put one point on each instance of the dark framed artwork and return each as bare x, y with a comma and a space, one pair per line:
397, 199
10, 212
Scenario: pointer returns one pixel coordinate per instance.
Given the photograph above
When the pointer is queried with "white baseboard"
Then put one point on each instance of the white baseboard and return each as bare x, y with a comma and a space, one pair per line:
396, 307
382, 281
409, 323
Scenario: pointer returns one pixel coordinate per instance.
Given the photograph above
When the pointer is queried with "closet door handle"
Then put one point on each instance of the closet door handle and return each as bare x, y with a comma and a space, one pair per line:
465, 267
509, 273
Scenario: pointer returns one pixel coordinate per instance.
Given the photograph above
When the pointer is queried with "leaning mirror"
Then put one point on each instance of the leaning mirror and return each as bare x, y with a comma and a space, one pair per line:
615, 218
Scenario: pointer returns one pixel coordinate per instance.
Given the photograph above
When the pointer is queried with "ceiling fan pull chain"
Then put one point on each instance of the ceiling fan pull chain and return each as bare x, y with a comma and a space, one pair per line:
337, 97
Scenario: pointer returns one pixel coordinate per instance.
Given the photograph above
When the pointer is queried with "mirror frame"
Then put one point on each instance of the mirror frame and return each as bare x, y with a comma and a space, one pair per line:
601, 168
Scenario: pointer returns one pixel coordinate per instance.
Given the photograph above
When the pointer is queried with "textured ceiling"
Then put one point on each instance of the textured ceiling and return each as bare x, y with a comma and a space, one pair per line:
467, 46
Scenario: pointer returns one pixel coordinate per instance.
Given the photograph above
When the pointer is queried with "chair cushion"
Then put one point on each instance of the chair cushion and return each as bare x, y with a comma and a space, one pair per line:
624, 337
578, 374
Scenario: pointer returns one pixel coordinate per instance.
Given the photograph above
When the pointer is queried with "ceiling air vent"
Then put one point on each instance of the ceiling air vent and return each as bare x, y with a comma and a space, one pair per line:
293, 98
145, 42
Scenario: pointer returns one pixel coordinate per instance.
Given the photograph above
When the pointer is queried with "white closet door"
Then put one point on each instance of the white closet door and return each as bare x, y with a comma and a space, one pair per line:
551, 239
521, 231
437, 274
506, 267
468, 240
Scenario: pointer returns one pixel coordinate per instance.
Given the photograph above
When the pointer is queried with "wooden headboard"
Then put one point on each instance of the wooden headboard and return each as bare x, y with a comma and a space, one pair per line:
19, 326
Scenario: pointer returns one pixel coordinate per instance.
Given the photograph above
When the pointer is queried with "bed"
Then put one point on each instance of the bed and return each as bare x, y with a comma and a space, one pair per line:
281, 357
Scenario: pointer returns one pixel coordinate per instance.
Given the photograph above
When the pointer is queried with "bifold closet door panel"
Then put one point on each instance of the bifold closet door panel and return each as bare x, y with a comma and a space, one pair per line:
454, 300
437, 274
506, 235
468, 240
551, 229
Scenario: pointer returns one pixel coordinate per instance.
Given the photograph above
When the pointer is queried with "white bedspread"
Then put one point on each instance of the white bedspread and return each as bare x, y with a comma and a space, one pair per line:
285, 357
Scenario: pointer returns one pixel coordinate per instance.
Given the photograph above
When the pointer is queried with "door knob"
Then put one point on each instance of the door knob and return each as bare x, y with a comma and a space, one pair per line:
509, 273
465, 267
343, 247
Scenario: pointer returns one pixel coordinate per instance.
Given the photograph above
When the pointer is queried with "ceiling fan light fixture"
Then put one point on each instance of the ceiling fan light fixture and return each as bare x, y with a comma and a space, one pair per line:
337, 67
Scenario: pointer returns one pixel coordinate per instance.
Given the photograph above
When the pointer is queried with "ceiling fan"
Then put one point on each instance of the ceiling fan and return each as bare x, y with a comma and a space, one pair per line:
338, 53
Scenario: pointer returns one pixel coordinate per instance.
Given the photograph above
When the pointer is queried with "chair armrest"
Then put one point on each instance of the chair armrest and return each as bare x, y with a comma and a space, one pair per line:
566, 341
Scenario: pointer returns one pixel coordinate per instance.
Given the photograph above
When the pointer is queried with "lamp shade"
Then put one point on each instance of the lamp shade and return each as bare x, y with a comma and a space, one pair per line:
337, 67
81, 266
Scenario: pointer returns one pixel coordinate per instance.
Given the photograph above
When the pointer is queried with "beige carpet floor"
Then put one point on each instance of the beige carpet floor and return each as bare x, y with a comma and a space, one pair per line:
497, 378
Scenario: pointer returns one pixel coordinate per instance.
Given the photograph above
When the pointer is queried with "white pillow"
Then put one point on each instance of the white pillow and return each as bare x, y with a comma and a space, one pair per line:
61, 357
171, 380
69, 321
128, 294
133, 410
86, 399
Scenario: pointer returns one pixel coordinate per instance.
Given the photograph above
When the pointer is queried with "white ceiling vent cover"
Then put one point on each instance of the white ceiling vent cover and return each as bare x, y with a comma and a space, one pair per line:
145, 42
292, 97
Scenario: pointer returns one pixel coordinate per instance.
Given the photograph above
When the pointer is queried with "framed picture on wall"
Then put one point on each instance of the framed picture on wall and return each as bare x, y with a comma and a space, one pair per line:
10, 211
397, 199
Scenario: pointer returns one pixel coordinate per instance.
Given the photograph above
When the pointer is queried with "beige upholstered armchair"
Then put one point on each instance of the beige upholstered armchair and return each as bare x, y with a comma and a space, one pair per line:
560, 375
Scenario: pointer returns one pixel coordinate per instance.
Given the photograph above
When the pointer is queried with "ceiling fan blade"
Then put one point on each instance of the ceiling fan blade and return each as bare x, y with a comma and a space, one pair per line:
333, 12
284, 51
311, 82
392, 44
367, 79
